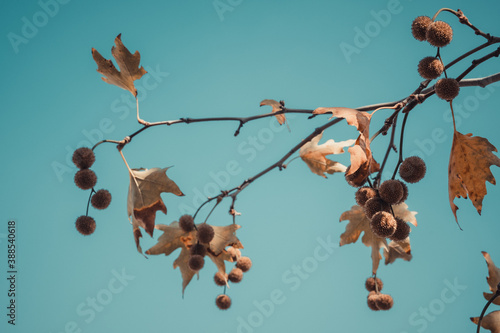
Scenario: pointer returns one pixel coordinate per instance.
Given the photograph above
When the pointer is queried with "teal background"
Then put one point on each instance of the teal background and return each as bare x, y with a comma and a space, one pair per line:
53, 100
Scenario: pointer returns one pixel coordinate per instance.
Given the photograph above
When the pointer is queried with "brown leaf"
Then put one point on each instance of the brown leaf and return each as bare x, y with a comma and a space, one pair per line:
470, 160
144, 198
315, 155
493, 279
397, 250
127, 62
358, 223
277, 106
174, 237
362, 160
490, 322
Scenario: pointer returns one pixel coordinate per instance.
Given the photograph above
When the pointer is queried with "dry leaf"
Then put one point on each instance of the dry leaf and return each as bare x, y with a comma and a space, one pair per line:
490, 322
127, 62
315, 155
358, 223
144, 198
469, 169
174, 237
493, 279
397, 250
277, 106
362, 161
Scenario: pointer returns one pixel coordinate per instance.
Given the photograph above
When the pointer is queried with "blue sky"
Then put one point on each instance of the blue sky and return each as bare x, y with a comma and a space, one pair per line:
203, 62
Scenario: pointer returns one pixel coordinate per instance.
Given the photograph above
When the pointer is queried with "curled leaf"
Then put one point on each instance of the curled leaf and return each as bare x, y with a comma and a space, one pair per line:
127, 62
277, 106
493, 278
314, 155
490, 322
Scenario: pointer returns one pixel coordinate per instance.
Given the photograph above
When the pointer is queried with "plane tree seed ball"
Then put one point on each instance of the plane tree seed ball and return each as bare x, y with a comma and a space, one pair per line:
198, 249
402, 230
430, 68
101, 199
439, 34
236, 275
419, 27
83, 158
220, 279
384, 302
85, 225
374, 284
413, 169
205, 233
244, 263
383, 224
447, 89
375, 205
196, 262
391, 191
363, 194
223, 302
186, 222
405, 192
85, 179
372, 301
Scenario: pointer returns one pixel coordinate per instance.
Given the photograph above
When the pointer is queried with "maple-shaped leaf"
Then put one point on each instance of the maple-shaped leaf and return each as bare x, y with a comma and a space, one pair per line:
470, 160
144, 198
490, 322
362, 162
493, 278
174, 237
127, 62
358, 223
315, 155
277, 106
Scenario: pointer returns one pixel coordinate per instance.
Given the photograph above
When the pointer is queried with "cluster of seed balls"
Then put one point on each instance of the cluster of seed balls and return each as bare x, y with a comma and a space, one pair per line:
377, 203
205, 234
376, 300
438, 34
86, 179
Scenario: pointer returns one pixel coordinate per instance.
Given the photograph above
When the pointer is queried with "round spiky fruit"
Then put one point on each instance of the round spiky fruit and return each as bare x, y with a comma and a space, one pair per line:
244, 263
363, 194
402, 230
384, 302
391, 191
223, 302
372, 301
101, 199
83, 158
220, 279
430, 68
85, 225
199, 249
439, 34
196, 262
236, 275
412, 169
447, 89
374, 284
186, 222
383, 224
85, 179
405, 192
375, 205
419, 27
205, 233
355, 179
